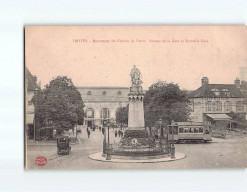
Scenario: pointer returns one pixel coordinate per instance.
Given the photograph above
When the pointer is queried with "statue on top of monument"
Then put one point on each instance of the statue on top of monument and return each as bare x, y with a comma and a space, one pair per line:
135, 75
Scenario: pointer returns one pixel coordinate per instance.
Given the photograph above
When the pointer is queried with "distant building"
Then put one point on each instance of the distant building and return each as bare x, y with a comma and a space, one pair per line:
102, 102
211, 103
30, 87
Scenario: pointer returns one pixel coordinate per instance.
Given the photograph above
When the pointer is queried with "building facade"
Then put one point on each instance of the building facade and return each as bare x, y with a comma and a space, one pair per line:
102, 102
211, 103
30, 87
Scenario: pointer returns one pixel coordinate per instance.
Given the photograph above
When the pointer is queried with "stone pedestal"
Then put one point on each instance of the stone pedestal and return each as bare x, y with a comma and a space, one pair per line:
136, 111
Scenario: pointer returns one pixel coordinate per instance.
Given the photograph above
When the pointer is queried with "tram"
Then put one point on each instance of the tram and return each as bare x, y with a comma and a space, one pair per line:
188, 131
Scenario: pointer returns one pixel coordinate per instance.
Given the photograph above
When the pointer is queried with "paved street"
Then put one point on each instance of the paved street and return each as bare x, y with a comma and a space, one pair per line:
220, 153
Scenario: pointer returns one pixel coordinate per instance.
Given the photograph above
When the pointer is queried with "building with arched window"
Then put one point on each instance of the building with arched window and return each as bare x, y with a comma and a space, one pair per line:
102, 102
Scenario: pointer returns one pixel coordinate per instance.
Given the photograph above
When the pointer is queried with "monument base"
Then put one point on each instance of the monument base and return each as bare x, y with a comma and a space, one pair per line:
139, 143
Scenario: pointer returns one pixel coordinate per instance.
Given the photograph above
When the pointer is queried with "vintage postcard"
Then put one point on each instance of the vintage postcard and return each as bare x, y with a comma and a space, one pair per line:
135, 97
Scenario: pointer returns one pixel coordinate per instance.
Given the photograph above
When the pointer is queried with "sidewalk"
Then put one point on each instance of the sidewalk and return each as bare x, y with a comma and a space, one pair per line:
49, 143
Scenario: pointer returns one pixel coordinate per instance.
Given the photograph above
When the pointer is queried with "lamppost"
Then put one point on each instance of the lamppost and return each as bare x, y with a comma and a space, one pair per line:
108, 154
172, 146
161, 129
104, 141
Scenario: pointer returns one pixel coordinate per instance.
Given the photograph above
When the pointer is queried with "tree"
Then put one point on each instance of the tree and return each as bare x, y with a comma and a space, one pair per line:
239, 119
165, 101
122, 116
59, 105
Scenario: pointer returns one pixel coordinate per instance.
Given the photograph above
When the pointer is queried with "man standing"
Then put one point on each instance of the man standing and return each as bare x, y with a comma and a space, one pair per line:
88, 133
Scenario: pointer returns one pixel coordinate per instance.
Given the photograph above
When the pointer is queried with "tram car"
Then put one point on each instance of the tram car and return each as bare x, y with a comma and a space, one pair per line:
181, 132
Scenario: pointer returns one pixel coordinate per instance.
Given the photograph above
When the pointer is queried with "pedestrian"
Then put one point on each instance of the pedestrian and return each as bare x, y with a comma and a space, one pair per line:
88, 133
122, 133
119, 132
115, 133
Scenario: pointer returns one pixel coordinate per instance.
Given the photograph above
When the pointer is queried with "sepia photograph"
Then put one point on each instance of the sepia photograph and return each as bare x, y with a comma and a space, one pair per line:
135, 97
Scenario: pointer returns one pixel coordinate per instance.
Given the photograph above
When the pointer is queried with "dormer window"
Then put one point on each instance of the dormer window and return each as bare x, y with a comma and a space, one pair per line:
104, 93
243, 91
216, 92
226, 92
89, 93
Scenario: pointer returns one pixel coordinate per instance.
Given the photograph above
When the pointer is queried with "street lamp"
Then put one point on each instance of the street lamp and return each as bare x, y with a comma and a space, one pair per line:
161, 129
108, 155
104, 141
172, 146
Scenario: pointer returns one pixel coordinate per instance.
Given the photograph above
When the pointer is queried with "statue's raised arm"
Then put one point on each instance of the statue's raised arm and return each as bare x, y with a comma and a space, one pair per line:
135, 75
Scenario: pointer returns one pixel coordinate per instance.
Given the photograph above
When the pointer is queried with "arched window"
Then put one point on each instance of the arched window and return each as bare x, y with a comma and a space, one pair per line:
104, 93
105, 113
89, 93
119, 93
90, 113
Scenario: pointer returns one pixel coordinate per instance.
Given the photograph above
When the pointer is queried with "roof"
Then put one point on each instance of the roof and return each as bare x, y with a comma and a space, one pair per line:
104, 87
188, 123
219, 116
206, 91
31, 81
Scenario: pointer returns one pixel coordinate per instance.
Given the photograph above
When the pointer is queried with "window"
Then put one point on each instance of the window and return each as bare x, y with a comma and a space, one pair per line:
216, 92
213, 106
228, 106
239, 106
105, 113
30, 102
104, 93
218, 106
196, 130
89, 93
200, 130
181, 129
226, 92
208, 106
119, 93
186, 130
90, 113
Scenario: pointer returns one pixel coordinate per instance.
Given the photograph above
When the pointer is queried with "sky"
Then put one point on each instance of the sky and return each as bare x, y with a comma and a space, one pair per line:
105, 55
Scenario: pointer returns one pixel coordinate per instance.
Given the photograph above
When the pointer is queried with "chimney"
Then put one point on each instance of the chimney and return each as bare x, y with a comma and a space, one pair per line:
205, 80
237, 82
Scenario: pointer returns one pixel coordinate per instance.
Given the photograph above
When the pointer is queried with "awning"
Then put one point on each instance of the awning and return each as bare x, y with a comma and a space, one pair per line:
219, 117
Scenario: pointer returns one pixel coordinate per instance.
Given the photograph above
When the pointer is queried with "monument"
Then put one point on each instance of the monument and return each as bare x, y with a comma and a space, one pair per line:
136, 140
137, 146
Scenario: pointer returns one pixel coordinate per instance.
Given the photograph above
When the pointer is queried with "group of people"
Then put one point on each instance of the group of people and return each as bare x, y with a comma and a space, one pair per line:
119, 133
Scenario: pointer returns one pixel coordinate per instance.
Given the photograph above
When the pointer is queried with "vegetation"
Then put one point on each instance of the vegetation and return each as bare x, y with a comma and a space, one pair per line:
122, 116
167, 102
58, 105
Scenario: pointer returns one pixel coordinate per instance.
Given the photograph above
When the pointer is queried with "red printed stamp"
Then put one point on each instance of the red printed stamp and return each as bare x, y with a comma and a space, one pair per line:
40, 161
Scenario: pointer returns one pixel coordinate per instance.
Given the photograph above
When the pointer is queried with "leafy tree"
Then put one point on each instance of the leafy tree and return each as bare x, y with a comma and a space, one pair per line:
59, 105
239, 119
122, 116
166, 101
